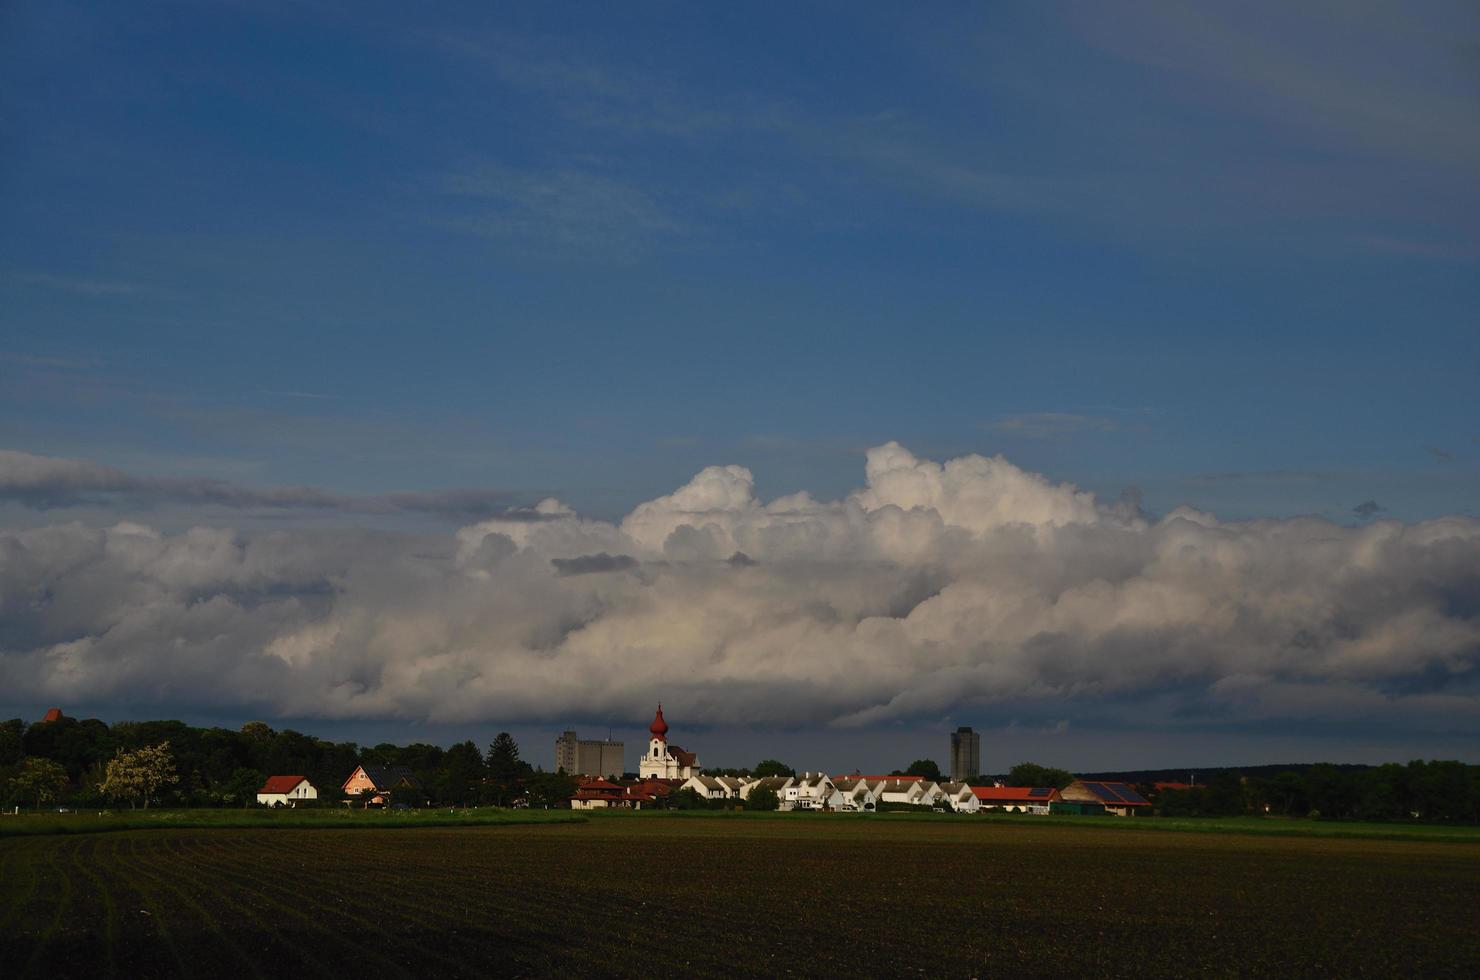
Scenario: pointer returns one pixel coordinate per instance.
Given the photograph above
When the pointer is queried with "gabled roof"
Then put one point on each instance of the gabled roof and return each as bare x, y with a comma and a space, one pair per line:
1110, 794
52, 714
683, 758
774, 783
1038, 795
388, 777
282, 784
898, 784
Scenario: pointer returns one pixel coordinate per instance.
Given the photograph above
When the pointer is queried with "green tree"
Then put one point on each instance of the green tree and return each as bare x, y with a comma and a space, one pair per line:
1287, 793
242, 787
41, 780
762, 798
772, 767
459, 779
551, 789
1224, 796
926, 768
687, 799
1032, 774
139, 774
506, 771
10, 741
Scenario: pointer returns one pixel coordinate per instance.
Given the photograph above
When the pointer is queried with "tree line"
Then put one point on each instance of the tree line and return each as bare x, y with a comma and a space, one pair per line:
1439, 791
89, 763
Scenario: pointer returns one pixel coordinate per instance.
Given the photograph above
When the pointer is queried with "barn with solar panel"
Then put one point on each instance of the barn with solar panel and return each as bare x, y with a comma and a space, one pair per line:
1096, 796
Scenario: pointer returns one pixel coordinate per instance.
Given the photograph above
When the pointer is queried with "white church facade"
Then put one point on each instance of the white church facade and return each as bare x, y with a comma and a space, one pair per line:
664, 761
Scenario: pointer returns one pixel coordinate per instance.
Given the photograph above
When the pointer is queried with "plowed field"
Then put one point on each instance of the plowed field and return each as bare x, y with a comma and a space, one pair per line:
656, 897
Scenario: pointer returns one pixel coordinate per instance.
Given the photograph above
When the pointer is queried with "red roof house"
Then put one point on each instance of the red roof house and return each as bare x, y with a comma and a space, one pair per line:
286, 791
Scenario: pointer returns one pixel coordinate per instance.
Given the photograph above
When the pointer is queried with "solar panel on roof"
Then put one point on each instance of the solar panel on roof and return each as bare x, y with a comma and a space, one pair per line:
1105, 793
1039, 791
1131, 796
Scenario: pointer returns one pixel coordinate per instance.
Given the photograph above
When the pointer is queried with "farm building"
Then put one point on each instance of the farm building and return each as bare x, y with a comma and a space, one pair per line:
1016, 799
593, 794
286, 791
1117, 798
377, 784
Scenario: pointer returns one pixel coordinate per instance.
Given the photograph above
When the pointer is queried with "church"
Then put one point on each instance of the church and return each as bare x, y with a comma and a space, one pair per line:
664, 761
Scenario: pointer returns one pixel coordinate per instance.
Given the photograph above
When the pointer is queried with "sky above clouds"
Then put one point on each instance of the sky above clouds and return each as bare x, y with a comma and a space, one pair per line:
350, 357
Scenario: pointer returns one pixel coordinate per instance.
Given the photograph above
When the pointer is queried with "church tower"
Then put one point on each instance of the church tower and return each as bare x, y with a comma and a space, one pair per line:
662, 761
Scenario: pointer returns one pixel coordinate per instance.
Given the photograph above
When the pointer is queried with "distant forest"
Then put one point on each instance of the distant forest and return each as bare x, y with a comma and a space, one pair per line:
219, 767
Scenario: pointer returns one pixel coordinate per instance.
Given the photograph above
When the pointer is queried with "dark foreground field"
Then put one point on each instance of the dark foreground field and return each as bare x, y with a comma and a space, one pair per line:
654, 897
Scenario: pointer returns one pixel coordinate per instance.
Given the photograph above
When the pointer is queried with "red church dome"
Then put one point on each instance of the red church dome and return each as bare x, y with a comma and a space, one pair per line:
659, 727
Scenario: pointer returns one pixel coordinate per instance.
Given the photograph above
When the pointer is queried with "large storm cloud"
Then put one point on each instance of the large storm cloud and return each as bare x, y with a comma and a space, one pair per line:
933, 589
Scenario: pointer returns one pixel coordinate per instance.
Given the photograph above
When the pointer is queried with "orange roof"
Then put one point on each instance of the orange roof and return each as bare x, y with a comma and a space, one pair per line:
281, 784
1016, 794
52, 714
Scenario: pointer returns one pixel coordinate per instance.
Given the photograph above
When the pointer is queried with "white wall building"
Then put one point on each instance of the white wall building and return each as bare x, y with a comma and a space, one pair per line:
664, 761
286, 791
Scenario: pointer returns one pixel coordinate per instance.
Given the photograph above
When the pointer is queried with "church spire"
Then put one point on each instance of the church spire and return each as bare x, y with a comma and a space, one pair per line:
659, 727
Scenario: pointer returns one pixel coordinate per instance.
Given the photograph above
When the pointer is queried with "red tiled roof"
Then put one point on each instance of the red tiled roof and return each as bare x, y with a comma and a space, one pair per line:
597, 783
1162, 786
683, 758
1015, 794
52, 714
281, 784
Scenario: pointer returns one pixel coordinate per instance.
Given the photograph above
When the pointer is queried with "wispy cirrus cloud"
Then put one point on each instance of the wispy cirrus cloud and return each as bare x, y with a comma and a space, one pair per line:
1048, 425
54, 482
564, 208
74, 284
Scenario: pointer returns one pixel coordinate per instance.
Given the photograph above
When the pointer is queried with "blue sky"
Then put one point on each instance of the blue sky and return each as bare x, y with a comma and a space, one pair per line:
1228, 258
369, 270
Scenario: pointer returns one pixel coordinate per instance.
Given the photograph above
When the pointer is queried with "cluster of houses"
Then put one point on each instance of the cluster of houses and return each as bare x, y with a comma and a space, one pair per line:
667, 769
370, 784
858, 793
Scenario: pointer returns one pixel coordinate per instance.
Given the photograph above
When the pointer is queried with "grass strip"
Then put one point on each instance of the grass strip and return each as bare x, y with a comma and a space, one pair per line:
31, 825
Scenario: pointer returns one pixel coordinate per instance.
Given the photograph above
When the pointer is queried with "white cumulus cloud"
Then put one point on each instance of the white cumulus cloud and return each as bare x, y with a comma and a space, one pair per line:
932, 589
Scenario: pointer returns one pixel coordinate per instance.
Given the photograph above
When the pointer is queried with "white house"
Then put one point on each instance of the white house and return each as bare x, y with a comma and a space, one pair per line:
808, 791
852, 794
708, 787
732, 784
910, 790
286, 791
960, 797
776, 784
